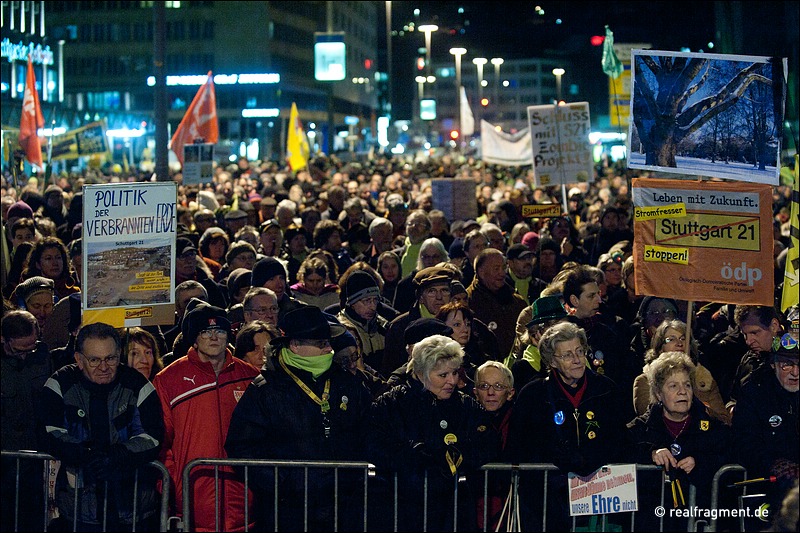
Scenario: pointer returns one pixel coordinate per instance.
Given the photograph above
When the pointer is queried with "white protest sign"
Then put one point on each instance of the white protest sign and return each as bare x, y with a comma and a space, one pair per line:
128, 273
198, 164
562, 153
609, 489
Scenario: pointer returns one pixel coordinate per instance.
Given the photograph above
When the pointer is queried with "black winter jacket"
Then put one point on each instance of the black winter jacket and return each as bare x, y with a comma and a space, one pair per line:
546, 428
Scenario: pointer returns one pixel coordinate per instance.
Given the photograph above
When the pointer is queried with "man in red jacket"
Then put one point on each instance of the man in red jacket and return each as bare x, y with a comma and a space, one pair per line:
198, 393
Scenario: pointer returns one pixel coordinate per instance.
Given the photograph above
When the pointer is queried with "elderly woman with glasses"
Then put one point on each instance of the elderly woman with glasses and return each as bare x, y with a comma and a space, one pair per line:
677, 432
428, 430
572, 418
670, 336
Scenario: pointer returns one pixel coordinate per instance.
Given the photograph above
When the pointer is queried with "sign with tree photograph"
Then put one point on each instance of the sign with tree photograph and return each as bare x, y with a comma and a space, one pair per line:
707, 115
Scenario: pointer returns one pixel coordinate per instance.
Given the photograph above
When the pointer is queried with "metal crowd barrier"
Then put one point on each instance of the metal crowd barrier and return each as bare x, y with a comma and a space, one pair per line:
715, 487
20, 456
366, 479
516, 470
245, 465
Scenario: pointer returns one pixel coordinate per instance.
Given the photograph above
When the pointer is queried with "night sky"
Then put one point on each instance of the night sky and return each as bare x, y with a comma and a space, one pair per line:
515, 30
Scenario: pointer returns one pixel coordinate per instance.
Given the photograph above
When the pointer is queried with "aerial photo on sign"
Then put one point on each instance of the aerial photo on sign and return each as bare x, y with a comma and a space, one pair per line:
707, 115
129, 273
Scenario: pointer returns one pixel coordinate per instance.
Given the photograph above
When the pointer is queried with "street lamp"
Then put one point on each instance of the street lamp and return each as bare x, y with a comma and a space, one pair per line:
480, 62
427, 29
558, 72
497, 61
458, 52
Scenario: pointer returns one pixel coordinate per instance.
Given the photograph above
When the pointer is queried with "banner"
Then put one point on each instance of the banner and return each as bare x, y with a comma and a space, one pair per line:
707, 115
609, 489
85, 141
31, 119
200, 120
790, 295
509, 149
562, 153
297, 150
467, 119
129, 232
703, 241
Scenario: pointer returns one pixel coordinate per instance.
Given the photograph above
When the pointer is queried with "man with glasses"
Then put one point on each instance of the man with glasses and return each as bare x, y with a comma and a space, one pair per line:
25, 366
576, 417
765, 421
198, 393
103, 421
432, 286
303, 408
260, 303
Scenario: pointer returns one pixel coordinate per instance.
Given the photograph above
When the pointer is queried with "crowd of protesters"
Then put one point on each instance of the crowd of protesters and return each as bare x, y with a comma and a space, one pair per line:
334, 313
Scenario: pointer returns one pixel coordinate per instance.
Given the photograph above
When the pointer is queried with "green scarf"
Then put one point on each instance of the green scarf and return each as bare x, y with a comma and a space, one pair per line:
316, 365
409, 259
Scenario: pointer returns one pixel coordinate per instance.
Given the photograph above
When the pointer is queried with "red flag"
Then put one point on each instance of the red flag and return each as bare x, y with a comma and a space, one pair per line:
31, 120
200, 120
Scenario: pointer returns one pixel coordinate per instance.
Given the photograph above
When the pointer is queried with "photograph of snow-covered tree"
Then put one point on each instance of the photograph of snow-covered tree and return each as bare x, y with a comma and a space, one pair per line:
708, 115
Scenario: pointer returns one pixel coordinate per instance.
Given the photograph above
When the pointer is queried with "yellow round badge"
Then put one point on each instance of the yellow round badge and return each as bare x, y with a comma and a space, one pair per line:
450, 438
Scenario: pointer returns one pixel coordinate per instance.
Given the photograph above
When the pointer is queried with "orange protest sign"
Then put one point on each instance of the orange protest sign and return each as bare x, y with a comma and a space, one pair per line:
703, 241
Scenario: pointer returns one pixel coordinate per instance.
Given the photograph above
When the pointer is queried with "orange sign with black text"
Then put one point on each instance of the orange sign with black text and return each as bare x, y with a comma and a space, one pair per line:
703, 241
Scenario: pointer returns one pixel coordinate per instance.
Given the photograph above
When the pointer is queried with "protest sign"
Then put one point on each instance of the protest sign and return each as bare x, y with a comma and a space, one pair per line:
129, 233
609, 489
560, 143
703, 241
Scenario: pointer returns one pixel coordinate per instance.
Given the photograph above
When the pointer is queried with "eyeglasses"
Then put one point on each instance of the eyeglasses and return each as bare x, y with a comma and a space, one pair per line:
433, 291
321, 344
499, 387
21, 354
786, 365
188, 254
94, 362
211, 332
580, 353
263, 310
667, 340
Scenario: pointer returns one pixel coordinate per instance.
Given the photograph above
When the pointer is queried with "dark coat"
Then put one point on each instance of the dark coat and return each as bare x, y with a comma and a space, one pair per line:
275, 419
765, 425
499, 309
705, 438
545, 428
407, 436
123, 421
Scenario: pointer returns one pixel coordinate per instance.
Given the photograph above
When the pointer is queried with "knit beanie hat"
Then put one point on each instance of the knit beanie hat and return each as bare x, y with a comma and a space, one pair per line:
240, 277
360, 285
237, 248
19, 209
33, 285
342, 341
202, 317
265, 269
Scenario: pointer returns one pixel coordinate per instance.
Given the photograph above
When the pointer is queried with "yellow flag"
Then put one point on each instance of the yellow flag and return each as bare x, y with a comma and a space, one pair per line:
791, 276
296, 144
